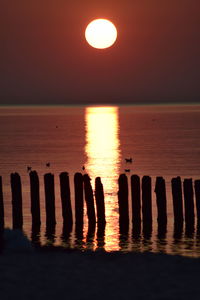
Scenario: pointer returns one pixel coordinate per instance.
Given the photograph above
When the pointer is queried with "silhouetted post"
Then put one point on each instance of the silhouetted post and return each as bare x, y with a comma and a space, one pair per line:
66, 200
78, 187
100, 205
123, 204
161, 200
50, 234
49, 201
177, 202
16, 201
1, 206
147, 204
123, 242
35, 235
197, 196
189, 202
100, 238
90, 235
136, 200
89, 202
35, 199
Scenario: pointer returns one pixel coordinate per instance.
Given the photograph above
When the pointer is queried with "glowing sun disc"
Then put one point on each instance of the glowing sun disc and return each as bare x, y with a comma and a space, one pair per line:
101, 33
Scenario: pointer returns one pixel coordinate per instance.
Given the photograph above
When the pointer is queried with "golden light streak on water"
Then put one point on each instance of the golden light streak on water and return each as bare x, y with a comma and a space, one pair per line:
103, 159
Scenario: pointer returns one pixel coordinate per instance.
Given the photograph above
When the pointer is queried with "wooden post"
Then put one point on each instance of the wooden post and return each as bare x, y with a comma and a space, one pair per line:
123, 242
1, 206
161, 200
136, 200
100, 205
16, 189
100, 238
35, 235
100, 234
123, 204
49, 201
147, 204
78, 187
50, 234
177, 202
66, 200
89, 202
178, 233
35, 199
189, 202
66, 234
90, 232
197, 196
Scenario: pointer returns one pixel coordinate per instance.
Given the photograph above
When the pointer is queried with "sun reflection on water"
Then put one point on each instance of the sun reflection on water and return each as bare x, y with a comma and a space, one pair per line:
103, 159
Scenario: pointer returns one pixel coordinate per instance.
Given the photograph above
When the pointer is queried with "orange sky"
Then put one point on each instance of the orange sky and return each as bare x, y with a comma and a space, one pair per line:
46, 59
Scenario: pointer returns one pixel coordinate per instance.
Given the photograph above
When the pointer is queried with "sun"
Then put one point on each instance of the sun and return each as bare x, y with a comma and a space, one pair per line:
101, 33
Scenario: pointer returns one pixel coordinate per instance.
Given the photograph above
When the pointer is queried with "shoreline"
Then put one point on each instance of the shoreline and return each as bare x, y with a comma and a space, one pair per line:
46, 274
98, 275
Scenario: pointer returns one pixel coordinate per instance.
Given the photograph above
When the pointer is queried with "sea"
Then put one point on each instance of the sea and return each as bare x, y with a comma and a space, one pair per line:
161, 140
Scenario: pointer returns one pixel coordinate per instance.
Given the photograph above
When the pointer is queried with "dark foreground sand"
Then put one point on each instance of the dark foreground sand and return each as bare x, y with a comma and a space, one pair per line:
29, 274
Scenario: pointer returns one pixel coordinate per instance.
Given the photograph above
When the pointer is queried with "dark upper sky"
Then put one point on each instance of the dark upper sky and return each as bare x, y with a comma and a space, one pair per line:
45, 58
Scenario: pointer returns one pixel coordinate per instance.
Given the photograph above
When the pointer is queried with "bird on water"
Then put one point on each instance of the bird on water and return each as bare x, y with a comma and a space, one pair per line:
129, 160
29, 168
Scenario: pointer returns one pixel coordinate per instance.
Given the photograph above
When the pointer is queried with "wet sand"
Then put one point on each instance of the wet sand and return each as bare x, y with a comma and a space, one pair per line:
27, 273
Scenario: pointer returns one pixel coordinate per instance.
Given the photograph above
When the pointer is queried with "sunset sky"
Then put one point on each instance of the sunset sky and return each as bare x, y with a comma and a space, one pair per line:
46, 60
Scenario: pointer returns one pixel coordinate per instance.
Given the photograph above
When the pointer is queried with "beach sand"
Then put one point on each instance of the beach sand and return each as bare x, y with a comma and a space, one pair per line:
26, 273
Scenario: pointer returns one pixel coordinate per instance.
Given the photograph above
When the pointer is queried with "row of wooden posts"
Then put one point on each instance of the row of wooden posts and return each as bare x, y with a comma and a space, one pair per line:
141, 199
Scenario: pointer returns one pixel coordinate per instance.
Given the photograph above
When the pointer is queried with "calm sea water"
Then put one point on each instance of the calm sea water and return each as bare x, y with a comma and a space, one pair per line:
162, 140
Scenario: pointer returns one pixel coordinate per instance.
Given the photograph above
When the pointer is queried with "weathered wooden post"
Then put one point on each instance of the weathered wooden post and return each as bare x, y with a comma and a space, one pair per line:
100, 238
161, 200
1, 206
78, 187
89, 203
35, 235
177, 203
49, 201
66, 201
147, 204
136, 200
35, 199
123, 242
100, 205
16, 189
50, 234
100, 234
197, 196
189, 203
123, 204
178, 233
90, 233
